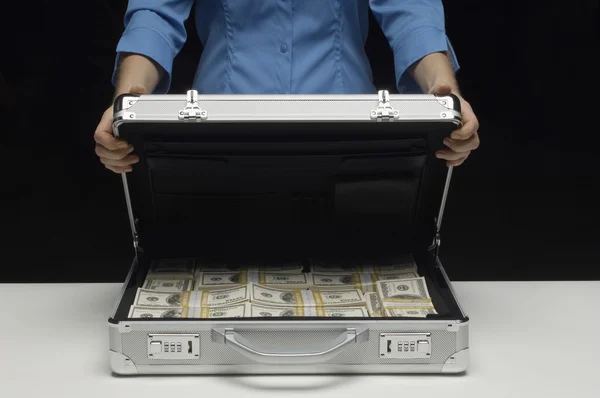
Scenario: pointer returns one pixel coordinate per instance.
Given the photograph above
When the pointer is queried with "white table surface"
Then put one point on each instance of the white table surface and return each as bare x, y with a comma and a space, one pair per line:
528, 339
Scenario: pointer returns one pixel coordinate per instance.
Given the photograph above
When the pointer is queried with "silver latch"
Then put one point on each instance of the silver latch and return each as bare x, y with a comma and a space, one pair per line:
384, 112
192, 111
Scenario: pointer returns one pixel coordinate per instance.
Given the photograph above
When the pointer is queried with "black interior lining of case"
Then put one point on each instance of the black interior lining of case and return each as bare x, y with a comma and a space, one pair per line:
312, 180
256, 202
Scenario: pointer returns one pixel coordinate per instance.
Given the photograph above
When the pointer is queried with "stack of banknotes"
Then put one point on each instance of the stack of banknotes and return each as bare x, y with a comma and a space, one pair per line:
181, 289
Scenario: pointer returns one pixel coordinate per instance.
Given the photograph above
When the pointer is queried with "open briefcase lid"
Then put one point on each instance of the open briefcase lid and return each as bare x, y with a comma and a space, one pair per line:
239, 177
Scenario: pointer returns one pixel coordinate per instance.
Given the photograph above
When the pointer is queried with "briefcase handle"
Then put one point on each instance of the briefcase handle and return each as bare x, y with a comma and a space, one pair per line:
299, 356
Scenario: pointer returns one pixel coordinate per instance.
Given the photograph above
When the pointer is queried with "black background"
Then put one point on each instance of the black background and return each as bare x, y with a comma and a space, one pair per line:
523, 207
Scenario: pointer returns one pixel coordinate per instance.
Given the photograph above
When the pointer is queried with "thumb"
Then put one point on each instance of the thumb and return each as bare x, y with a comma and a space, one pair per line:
106, 121
104, 132
133, 89
441, 89
138, 89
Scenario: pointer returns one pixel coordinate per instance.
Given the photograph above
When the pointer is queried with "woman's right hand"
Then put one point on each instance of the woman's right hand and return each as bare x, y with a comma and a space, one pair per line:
114, 153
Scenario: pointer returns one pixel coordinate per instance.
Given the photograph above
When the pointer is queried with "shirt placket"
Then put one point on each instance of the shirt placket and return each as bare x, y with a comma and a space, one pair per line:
285, 44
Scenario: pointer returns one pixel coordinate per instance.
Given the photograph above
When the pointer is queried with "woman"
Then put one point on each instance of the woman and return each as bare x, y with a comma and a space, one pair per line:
284, 47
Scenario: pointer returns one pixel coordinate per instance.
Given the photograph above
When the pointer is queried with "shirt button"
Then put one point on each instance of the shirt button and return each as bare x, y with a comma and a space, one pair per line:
283, 48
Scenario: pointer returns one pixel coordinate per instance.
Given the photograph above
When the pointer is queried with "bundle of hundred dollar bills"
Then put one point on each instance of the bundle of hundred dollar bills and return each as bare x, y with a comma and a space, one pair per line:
180, 289
362, 277
248, 300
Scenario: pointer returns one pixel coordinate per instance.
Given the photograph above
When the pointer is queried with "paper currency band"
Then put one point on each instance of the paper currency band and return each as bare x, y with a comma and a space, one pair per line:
186, 297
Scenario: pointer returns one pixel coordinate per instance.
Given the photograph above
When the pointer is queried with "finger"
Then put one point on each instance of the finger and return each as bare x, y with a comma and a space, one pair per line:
457, 162
107, 140
116, 154
118, 169
469, 127
104, 133
127, 161
448, 154
469, 144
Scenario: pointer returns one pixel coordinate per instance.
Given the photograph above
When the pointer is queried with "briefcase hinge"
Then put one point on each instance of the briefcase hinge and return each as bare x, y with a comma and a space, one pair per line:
434, 246
136, 244
192, 111
384, 112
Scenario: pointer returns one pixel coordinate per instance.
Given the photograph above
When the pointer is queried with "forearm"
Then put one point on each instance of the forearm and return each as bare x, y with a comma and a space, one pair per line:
433, 70
137, 73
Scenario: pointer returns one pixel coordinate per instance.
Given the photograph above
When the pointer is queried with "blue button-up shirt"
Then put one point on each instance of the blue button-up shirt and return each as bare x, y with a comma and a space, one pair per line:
285, 46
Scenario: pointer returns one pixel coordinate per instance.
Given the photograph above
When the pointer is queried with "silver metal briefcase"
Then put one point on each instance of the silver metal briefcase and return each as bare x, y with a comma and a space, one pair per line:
268, 178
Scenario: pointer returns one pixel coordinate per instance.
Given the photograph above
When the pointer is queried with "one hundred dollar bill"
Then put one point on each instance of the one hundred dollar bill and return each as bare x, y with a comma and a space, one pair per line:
217, 280
403, 264
305, 298
409, 312
403, 291
152, 298
208, 280
213, 298
233, 311
175, 266
168, 284
393, 276
222, 297
217, 268
374, 305
157, 312
365, 282
264, 311
343, 312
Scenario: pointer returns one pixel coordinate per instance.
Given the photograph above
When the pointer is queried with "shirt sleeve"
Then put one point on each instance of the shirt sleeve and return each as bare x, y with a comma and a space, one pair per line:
156, 30
414, 29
